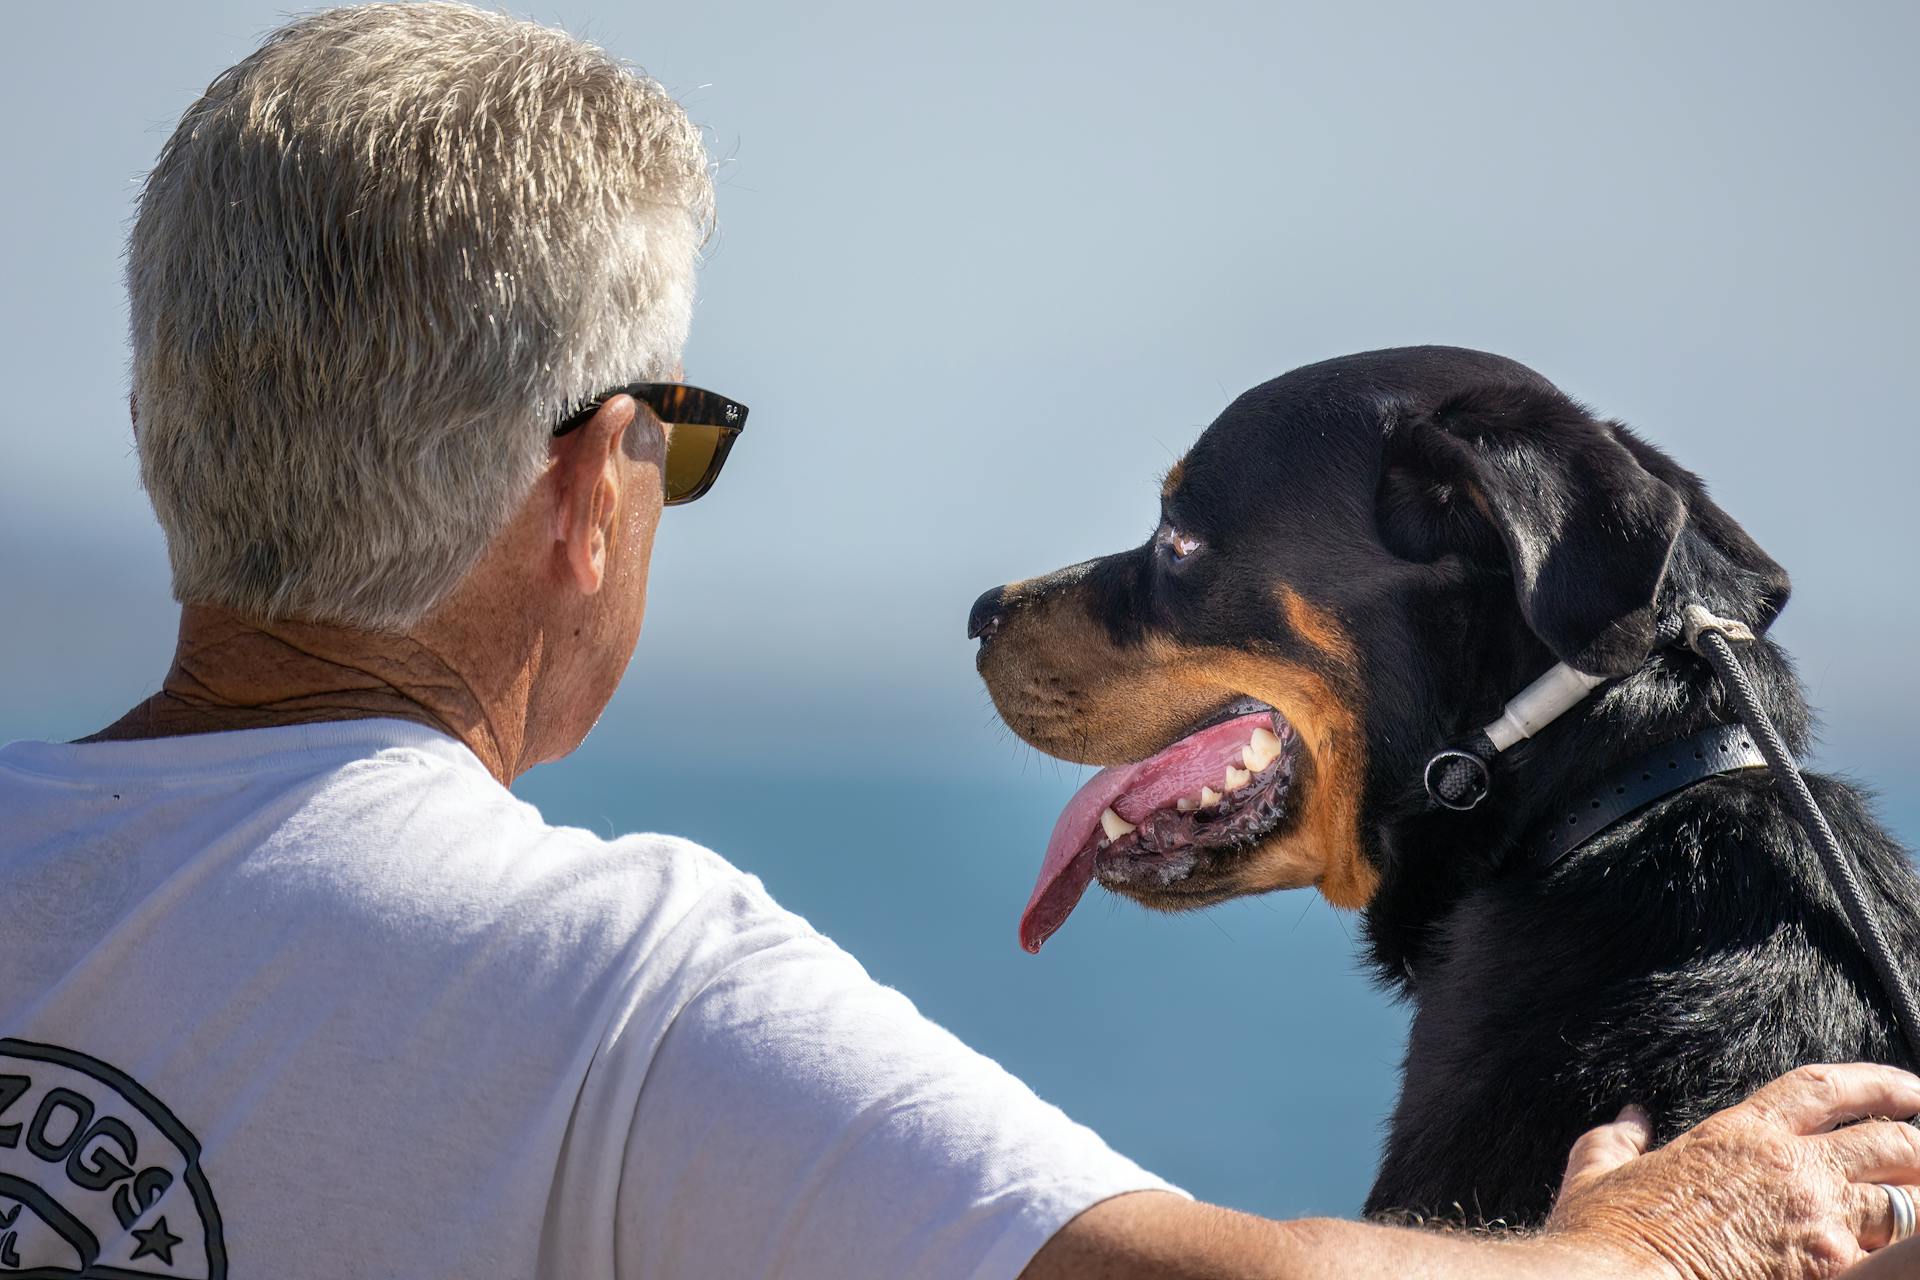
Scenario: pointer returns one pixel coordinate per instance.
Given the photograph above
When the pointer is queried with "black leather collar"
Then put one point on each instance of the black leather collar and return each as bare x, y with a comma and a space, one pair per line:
1723, 749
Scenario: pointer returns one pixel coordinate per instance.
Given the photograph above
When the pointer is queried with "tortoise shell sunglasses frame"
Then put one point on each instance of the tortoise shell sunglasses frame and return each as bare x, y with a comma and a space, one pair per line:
701, 429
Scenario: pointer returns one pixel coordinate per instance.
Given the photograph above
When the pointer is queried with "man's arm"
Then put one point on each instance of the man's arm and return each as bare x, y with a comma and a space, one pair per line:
1152, 1235
1765, 1189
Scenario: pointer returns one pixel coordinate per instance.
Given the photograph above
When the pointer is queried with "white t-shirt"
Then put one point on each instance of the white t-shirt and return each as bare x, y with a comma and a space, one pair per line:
329, 1001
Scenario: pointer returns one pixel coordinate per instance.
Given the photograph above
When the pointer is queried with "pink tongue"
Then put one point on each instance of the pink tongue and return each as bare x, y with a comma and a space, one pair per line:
1133, 791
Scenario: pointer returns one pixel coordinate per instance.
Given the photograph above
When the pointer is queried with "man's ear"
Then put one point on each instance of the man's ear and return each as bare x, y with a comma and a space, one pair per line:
587, 480
1522, 478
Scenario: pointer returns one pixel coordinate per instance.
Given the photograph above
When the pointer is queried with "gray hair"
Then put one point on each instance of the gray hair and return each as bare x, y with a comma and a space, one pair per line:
375, 262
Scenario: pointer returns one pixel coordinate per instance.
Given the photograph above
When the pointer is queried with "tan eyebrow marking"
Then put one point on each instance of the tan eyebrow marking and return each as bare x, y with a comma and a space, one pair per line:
1175, 474
1320, 629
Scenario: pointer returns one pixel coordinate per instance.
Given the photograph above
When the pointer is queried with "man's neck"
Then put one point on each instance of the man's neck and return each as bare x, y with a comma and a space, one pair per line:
230, 673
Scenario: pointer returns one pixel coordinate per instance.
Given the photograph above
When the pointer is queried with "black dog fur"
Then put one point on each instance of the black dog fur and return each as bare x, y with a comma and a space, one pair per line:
1468, 524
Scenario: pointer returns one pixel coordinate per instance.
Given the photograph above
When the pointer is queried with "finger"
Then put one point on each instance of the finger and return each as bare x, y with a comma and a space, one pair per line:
1606, 1148
1870, 1212
1902, 1262
1875, 1151
1815, 1099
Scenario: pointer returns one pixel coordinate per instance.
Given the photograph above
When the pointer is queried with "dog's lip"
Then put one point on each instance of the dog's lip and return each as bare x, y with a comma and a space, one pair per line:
1136, 791
1238, 709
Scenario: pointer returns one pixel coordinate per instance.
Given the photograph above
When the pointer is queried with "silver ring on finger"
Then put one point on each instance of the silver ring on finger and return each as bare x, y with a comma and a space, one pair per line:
1905, 1217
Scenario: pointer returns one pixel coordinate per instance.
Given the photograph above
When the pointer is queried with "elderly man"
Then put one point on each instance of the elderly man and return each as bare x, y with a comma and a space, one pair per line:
292, 985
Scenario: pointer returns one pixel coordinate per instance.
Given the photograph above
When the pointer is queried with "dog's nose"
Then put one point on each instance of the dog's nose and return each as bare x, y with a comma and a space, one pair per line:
988, 611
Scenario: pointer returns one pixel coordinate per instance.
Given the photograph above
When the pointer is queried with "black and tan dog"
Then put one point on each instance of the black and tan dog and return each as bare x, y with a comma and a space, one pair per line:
1359, 563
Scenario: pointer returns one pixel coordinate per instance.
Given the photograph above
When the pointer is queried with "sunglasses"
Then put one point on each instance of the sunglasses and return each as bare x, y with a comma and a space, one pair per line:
701, 426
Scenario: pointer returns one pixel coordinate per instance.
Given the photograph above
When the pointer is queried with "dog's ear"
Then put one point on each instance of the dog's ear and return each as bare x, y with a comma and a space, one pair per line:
1723, 566
1520, 478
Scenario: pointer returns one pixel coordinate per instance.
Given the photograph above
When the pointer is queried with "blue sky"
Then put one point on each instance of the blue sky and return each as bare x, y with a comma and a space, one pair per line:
983, 271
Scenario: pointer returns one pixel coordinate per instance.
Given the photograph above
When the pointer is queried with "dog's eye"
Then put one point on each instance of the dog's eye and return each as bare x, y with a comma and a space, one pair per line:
1179, 545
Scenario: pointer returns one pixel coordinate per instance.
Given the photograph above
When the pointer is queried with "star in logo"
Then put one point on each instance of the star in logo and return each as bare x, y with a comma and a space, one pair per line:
156, 1240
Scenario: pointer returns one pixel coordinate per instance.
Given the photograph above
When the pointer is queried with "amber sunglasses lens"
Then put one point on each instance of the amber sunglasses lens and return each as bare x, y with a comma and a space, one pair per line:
690, 457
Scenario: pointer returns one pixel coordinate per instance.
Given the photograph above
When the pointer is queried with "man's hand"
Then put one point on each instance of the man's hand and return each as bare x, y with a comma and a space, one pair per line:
1773, 1189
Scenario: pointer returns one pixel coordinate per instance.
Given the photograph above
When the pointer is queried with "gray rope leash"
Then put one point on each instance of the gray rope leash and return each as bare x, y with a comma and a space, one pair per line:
1461, 776
1713, 639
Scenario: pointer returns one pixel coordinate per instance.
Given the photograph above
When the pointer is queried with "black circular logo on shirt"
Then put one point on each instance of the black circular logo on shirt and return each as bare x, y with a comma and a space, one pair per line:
97, 1178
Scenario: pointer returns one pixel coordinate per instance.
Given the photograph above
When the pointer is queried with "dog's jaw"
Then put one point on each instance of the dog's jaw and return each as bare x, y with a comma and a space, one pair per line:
1160, 829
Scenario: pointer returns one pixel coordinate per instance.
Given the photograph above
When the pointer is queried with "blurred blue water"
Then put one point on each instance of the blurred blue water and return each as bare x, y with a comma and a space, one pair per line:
983, 271
1238, 1053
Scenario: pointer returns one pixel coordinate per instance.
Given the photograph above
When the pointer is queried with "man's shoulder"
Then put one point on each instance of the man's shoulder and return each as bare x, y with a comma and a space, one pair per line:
477, 841
433, 799
459, 862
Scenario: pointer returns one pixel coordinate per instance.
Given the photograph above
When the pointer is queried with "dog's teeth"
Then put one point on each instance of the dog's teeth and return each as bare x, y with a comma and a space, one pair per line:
1262, 751
1209, 797
1114, 825
1237, 778
1186, 804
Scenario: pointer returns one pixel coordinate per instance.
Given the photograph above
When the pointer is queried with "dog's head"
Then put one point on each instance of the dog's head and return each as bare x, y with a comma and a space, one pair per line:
1357, 563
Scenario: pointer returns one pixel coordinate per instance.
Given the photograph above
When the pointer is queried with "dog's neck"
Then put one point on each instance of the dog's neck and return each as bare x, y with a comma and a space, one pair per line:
1435, 858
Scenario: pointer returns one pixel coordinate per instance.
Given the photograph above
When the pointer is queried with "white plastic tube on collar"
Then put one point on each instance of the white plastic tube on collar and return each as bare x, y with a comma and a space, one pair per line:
1540, 704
